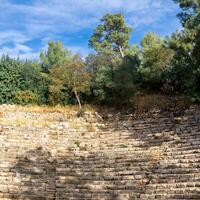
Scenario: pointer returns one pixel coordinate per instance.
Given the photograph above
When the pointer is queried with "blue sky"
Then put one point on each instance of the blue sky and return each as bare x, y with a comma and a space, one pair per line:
26, 26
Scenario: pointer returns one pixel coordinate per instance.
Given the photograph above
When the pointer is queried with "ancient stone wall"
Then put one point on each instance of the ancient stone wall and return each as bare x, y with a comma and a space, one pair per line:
55, 155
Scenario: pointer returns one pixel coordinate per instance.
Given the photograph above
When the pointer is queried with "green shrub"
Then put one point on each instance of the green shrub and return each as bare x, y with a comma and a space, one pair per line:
26, 97
10, 79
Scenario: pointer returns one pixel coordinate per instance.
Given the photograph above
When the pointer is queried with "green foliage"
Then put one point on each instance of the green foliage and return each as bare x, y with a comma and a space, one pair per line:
102, 67
117, 70
35, 80
189, 9
184, 77
125, 85
114, 66
76, 75
176, 76
70, 78
59, 91
126, 76
113, 80
10, 79
56, 55
103, 83
155, 60
112, 34
133, 51
26, 97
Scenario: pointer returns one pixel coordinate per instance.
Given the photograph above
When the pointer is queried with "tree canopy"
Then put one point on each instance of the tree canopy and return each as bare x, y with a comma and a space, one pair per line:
56, 55
117, 70
113, 34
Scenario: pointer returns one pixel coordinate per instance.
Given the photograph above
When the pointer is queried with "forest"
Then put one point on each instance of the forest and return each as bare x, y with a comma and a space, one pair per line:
116, 72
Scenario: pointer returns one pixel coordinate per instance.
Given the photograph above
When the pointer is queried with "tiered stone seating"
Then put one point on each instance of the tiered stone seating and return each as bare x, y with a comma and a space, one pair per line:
54, 156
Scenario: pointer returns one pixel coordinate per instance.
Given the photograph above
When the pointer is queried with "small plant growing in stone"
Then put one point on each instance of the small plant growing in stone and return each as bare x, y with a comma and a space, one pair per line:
80, 113
90, 127
83, 148
123, 146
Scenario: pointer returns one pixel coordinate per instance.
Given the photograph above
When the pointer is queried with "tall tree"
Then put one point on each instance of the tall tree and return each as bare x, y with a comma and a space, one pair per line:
113, 79
190, 8
35, 80
155, 59
190, 18
10, 79
113, 34
69, 78
102, 66
186, 45
77, 78
56, 55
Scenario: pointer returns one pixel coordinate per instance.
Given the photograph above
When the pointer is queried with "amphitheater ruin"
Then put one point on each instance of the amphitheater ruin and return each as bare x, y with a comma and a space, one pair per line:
56, 155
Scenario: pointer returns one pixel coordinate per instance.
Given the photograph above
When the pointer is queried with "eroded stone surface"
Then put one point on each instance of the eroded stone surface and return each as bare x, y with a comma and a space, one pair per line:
59, 156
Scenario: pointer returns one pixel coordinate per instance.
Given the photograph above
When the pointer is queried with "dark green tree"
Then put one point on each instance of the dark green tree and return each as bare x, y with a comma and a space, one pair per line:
184, 77
190, 18
155, 59
114, 81
56, 55
35, 80
10, 79
112, 35
102, 67
113, 66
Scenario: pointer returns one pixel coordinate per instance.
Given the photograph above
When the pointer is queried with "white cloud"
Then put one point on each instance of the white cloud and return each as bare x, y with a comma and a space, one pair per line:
28, 56
58, 15
83, 51
22, 48
12, 36
19, 50
49, 18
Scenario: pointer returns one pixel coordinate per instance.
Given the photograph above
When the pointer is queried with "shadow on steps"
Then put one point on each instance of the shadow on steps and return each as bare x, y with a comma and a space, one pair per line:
91, 176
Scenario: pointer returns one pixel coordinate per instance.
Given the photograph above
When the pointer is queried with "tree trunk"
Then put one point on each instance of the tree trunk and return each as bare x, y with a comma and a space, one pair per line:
78, 99
121, 52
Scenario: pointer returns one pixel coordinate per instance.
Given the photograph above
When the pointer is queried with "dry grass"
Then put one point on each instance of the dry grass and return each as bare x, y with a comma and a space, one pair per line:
54, 109
1, 114
144, 101
90, 127
155, 156
74, 125
151, 101
27, 122
41, 115
48, 109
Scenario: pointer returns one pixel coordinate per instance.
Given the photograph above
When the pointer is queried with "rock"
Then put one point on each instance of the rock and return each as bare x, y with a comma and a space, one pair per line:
50, 155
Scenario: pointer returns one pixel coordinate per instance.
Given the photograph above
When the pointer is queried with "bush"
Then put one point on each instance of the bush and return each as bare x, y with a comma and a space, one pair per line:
35, 80
26, 97
10, 79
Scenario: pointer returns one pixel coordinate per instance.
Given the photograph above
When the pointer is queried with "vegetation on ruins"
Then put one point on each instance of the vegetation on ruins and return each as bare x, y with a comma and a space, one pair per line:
116, 72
